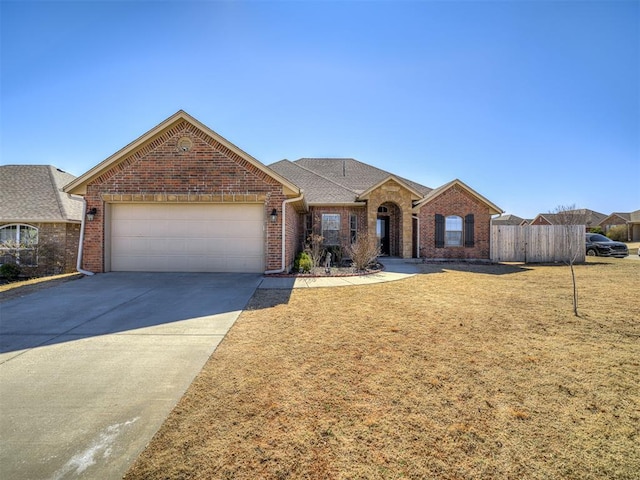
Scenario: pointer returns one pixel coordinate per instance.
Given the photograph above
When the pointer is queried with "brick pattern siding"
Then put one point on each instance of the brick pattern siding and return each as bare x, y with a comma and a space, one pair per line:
57, 248
161, 171
540, 221
455, 201
345, 221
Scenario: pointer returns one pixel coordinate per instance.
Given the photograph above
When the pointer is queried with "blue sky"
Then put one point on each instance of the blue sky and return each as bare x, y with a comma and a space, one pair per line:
534, 104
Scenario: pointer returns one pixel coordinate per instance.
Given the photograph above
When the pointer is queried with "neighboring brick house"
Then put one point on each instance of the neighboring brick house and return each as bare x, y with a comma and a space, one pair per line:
182, 198
589, 218
39, 223
631, 220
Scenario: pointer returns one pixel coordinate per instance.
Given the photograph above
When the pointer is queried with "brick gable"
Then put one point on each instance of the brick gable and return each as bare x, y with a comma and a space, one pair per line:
160, 171
455, 201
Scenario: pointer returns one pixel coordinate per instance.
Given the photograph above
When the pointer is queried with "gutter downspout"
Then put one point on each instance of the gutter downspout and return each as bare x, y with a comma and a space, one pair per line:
79, 261
417, 219
284, 217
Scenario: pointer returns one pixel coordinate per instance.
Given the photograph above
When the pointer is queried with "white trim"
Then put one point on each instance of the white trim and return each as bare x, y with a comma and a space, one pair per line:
81, 241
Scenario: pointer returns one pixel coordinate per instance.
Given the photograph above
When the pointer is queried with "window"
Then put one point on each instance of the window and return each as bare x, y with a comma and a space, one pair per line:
353, 227
331, 228
449, 230
453, 231
17, 244
382, 209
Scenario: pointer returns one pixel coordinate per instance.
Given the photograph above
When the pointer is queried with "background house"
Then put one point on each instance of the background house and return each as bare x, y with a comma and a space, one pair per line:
39, 223
630, 219
589, 218
508, 219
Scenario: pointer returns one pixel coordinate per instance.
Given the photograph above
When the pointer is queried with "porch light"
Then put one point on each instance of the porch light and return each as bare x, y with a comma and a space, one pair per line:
91, 213
274, 216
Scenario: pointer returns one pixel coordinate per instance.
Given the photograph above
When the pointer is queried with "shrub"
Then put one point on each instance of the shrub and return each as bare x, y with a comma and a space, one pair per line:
303, 263
618, 233
596, 230
314, 248
10, 271
363, 252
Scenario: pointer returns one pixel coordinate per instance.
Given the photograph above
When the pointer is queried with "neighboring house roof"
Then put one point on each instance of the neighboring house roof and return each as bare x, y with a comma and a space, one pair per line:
508, 219
79, 185
592, 218
634, 217
584, 216
625, 217
337, 180
433, 194
34, 193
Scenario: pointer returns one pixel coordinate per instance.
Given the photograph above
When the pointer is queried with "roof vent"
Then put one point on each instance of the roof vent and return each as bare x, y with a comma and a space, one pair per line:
185, 144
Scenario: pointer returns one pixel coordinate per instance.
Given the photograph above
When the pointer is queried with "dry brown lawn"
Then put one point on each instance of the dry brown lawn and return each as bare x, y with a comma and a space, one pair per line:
463, 372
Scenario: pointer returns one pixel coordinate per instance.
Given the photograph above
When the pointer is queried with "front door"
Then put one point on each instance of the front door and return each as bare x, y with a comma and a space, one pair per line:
382, 231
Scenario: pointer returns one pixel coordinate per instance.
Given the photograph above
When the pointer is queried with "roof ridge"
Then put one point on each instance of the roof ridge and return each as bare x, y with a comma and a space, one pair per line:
63, 213
323, 177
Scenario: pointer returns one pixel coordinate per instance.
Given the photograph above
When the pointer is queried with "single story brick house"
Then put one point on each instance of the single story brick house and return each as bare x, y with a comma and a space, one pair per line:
183, 198
39, 223
630, 219
589, 218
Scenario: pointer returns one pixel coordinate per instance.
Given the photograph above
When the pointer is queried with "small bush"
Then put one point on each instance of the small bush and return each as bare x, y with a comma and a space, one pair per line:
303, 263
618, 233
314, 249
363, 252
10, 271
596, 230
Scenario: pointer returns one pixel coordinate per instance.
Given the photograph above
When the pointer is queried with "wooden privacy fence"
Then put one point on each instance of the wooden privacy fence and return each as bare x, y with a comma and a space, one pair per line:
537, 243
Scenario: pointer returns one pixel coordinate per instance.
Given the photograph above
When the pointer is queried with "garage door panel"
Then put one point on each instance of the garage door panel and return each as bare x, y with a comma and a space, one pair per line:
192, 238
246, 246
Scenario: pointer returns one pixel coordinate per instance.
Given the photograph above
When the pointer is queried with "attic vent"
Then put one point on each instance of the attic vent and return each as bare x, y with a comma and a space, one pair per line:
185, 144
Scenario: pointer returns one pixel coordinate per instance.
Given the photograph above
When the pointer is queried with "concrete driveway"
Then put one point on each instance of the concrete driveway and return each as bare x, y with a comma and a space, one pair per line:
90, 369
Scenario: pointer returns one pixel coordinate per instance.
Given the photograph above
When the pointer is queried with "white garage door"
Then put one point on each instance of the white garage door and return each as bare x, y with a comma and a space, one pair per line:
187, 238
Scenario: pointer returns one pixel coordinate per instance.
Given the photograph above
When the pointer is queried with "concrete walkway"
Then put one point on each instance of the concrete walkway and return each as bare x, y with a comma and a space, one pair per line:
395, 269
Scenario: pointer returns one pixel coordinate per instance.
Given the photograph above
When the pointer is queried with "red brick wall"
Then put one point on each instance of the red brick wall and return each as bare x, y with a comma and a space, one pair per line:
57, 248
540, 221
293, 226
455, 201
161, 167
345, 219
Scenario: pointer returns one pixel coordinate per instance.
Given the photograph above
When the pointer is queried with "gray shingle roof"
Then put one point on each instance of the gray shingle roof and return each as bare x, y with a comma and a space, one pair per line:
582, 215
508, 219
335, 180
33, 193
591, 217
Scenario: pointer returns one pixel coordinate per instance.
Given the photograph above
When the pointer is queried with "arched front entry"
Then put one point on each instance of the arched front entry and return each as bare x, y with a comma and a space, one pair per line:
389, 209
389, 228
